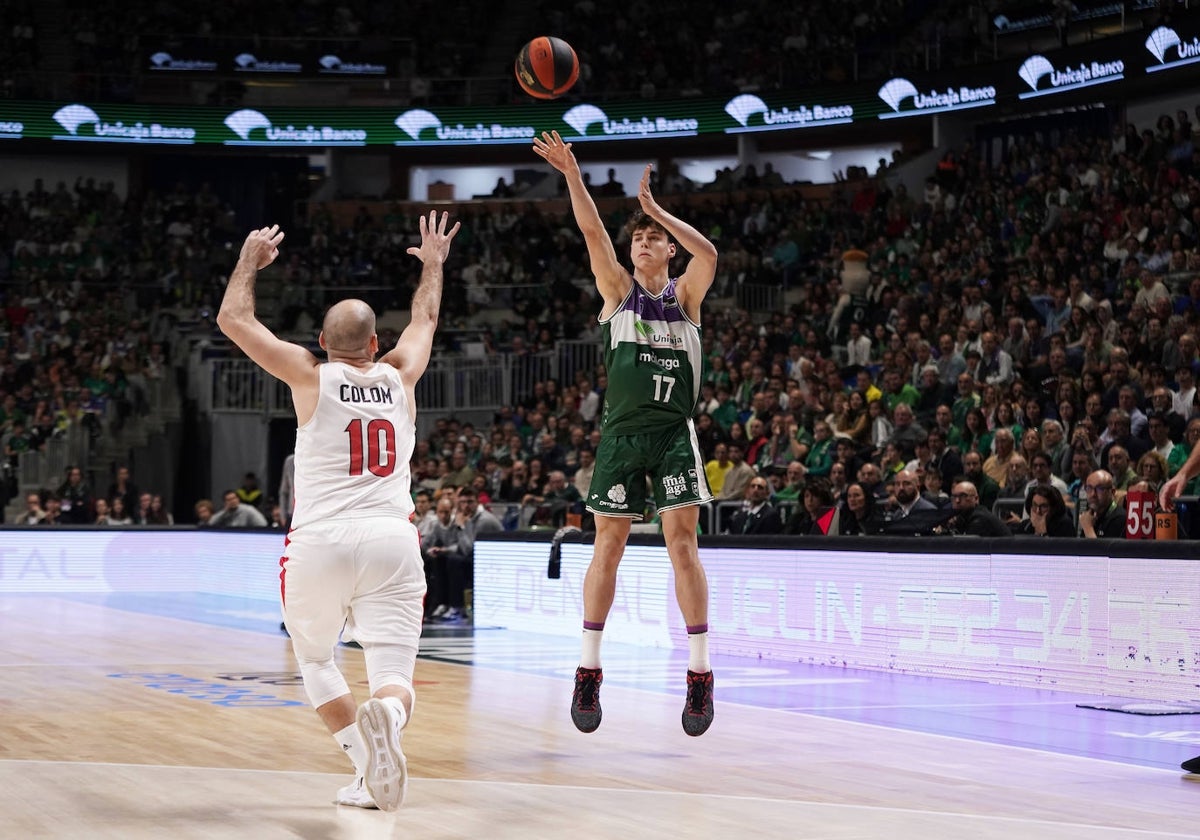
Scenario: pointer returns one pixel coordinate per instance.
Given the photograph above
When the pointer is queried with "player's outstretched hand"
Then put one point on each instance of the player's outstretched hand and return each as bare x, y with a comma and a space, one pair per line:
1171, 490
556, 153
645, 197
435, 239
261, 247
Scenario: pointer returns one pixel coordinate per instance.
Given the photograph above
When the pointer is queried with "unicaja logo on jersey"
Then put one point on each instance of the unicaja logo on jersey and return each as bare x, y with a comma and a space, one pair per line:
746, 106
583, 117
1037, 69
256, 129
906, 100
617, 493
1161, 43
73, 118
418, 120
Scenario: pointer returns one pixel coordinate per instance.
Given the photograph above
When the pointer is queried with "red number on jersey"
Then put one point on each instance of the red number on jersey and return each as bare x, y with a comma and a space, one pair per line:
380, 447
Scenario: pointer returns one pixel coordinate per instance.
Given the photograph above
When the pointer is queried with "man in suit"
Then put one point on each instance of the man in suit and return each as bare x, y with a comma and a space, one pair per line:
757, 515
907, 494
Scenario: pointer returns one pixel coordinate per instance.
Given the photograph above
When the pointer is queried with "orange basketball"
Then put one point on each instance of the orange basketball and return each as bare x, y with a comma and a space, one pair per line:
546, 67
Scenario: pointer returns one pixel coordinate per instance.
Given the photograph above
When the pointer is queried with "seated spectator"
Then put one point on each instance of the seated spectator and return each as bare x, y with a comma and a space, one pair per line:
204, 512
988, 490
118, 515
757, 515
158, 514
973, 519
1152, 469
1102, 516
551, 508
808, 516
1046, 514
1018, 479
437, 540
33, 513
237, 515
932, 492
858, 514
470, 520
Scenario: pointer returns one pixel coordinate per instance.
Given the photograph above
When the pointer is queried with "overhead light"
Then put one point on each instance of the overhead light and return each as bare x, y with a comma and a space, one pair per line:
822, 155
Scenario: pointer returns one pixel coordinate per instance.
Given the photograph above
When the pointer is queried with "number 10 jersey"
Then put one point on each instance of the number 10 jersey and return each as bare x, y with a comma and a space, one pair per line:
653, 357
352, 455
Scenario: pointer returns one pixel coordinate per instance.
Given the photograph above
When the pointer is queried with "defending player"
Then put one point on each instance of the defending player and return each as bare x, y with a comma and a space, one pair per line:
352, 557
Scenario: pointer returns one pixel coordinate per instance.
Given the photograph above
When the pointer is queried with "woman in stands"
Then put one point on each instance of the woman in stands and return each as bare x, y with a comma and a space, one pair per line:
858, 514
1046, 514
1152, 468
975, 435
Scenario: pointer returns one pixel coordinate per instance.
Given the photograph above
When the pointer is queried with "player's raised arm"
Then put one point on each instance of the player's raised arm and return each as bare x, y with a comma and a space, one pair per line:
612, 280
282, 359
698, 277
411, 354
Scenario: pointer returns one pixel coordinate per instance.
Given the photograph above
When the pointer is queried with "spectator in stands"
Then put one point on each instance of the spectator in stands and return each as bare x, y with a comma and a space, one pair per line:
757, 515
1046, 514
437, 539
737, 476
53, 512
1152, 470
158, 514
118, 515
1102, 516
996, 466
470, 521
973, 518
1040, 469
123, 486
249, 493
100, 513
988, 489
204, 512
1017, 479
858, 514
75, 498
1120, 465
235, 514
33, 513
550, 508
808, 516
1173, 454
906, 496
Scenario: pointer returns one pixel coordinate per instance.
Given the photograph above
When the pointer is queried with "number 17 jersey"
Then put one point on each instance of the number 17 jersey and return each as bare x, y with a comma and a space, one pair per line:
653, 357
352, 455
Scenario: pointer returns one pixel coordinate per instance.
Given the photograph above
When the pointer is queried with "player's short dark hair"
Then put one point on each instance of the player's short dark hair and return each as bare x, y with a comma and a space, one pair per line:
639, 221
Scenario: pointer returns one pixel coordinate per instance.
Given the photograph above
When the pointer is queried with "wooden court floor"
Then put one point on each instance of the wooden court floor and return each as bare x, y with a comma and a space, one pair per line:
124, 725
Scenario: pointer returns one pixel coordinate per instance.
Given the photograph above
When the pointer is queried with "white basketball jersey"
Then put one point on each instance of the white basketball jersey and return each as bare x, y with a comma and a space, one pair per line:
352, 455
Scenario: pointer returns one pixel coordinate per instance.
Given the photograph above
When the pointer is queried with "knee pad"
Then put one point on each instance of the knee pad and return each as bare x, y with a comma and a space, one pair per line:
322, 681
390, 665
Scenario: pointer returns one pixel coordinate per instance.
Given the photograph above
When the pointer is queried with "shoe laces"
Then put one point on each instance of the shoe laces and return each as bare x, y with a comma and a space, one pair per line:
586, 686
697, 695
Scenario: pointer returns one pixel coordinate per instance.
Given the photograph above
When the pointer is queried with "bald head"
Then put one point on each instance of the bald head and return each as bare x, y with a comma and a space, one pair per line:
348, 327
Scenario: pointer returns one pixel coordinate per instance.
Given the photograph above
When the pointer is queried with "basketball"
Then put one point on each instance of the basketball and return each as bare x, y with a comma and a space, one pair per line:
546, 67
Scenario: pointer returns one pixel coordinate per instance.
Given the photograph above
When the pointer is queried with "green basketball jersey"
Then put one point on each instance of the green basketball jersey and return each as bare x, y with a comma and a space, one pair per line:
653, 356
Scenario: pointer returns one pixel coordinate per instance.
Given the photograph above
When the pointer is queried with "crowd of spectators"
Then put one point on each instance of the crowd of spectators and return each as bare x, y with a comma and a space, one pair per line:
1027, 355
75, 502
645, 50
1036, 305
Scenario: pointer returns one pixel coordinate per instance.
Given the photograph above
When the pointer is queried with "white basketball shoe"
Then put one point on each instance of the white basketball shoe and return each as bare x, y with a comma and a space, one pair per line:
355, 794
386, 776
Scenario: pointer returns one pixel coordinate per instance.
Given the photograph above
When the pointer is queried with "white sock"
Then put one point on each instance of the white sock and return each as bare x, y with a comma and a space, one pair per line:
350, 742
698, 652
590, 656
